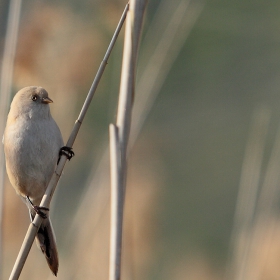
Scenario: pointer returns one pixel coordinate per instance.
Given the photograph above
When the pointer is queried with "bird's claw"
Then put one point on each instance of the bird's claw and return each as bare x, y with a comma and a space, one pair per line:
38, 209
67, 151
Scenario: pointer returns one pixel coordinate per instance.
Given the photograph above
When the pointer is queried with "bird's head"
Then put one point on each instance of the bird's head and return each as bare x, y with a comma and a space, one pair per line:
31, 102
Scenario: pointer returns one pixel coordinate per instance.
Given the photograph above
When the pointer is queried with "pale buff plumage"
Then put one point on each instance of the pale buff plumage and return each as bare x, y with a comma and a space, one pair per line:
32, 141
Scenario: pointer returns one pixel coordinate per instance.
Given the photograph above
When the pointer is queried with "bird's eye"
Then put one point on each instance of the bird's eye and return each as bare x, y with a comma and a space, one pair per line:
34, 97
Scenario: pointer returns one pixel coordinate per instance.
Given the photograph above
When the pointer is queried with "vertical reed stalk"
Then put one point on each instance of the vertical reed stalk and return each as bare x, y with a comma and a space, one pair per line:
6, 79
119, 133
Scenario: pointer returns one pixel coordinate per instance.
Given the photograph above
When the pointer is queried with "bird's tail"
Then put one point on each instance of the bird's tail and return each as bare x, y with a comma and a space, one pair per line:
45, 240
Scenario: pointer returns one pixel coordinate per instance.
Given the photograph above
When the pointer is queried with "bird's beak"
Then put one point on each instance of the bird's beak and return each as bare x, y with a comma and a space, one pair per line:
46, 100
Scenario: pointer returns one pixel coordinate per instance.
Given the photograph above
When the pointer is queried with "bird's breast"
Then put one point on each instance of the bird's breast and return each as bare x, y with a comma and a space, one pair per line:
31, 150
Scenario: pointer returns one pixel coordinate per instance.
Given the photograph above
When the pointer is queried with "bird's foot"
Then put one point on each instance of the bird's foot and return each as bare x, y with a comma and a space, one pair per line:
67, 151
39, 210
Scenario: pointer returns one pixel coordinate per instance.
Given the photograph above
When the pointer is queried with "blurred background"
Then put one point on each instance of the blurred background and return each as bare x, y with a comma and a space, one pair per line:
203, 189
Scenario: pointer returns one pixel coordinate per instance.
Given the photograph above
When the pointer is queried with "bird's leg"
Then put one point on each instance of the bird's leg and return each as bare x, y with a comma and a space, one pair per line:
37, 208
67, 151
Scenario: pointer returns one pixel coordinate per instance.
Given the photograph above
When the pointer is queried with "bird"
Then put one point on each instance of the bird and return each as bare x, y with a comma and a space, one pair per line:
33, 145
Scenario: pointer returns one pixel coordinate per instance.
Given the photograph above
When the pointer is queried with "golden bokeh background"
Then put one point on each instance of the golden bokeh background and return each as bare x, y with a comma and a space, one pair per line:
216, 67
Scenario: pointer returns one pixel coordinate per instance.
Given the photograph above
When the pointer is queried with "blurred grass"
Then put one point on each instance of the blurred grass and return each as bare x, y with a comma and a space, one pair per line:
185, 166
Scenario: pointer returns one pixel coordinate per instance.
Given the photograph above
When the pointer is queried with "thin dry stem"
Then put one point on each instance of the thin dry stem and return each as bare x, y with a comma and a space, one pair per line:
5, 89
116, 203
120, 134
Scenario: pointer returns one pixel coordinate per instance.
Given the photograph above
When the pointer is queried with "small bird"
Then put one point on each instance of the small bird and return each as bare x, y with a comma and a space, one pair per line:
32, 145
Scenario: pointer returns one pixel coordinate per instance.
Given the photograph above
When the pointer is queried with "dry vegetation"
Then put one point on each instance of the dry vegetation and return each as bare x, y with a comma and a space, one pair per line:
60, 50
